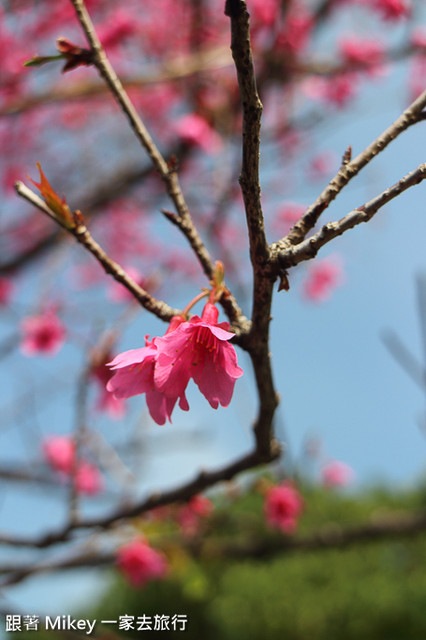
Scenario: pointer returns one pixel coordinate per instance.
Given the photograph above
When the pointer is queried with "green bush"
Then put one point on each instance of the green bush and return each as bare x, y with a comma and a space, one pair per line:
368, 591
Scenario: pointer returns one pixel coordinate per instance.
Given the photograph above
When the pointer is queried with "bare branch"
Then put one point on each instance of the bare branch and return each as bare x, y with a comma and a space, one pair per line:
167, 173
181, 66
201, 482
252, 111
258, 342
410, 116
329, 537
405, 358
293, 255
83, 236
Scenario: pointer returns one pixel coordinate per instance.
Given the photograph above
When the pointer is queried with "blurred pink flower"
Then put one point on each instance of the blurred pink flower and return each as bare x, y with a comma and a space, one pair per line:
283, 507
6, 290
336, 474
337, 91
88, 478
198, 349
59, 452
296, 33
264, 12
139, 563
190, 514
323, 277
362, 51
393, 9
117, 28
42, 334
60, 455
195, 130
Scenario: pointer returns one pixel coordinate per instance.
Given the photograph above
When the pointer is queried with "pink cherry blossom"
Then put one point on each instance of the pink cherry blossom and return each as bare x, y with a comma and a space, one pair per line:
60, 455
42, 334
336, 474
195, 130
198, 349
393, 9
323, 277
88, 479
264, 12
59, 452
295, 35
283, 507
139, 563
134, 374
190, 514
118, 26
364, 52
337, 91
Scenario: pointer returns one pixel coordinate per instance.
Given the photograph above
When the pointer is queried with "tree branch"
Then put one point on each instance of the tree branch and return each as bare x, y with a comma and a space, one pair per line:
201, 482
293, 255
252, 111
299, 231
330, 536
83, 236
168, 174
258, 341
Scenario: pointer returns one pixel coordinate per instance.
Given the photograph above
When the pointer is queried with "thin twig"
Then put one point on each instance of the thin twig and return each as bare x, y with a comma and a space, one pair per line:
412, 115
83, 236
167, 173
306, 250
405, 358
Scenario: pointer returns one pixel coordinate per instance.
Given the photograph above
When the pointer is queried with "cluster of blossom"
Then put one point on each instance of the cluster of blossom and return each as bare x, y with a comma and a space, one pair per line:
198, 348
139, 563
283, 507
190, 515
42, 334
60, 455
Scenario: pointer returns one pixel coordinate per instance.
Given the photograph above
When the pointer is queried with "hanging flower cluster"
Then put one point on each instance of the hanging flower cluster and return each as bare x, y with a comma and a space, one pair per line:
198, 348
